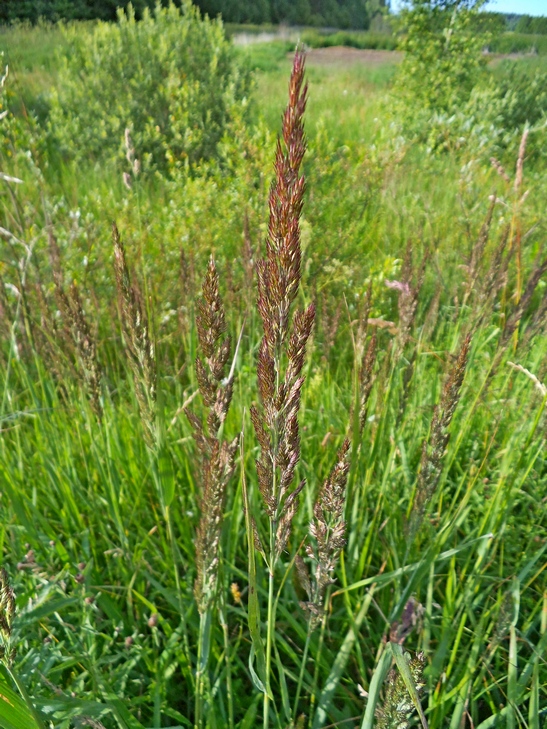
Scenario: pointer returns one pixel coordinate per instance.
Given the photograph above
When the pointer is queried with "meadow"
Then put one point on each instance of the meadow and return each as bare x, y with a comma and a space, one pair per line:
269, 455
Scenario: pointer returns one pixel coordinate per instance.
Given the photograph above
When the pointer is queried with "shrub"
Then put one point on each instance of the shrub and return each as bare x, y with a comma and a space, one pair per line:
314, 39
492, 120
442, 97
443, 54
172, 78
519, 43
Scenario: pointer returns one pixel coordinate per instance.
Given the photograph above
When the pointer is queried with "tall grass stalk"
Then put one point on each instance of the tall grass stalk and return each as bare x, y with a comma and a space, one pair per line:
217, 466
282, 350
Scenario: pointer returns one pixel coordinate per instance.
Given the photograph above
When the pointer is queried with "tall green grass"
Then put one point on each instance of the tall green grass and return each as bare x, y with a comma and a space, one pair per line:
107, 625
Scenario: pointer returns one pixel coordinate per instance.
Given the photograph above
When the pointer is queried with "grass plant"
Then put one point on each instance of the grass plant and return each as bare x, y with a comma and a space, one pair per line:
337, 521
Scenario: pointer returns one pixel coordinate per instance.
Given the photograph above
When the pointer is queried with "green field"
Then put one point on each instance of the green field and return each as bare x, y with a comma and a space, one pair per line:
427, 268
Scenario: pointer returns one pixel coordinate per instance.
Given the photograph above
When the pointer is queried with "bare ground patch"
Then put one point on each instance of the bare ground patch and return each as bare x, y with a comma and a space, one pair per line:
349, 56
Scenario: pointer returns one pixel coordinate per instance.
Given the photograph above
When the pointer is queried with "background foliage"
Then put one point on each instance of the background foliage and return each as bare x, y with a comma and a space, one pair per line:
170, 78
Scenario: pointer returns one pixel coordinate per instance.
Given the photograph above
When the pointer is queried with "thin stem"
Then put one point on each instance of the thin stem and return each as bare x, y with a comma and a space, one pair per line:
318, 662
302, 671
203, 659
175, 558
229, 686
270, 628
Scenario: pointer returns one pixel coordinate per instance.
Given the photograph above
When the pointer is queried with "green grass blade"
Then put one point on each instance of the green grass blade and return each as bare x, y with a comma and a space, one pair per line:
402, 665
339, 664
376, 683
16, 712
253, 607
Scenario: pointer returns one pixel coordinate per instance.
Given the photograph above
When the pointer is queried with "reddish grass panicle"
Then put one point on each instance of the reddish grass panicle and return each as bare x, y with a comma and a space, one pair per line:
141, 350
328, 530
434, 447
217, 462
77, 329
283, 348
217, 455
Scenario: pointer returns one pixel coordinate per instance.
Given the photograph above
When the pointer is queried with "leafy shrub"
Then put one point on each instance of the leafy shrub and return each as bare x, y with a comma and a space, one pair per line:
443, 54
444, 97
314, 39
492, 120
524, 96
172, 78
519, 43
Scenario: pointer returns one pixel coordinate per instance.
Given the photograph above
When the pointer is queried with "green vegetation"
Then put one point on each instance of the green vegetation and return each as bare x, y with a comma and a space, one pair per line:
519, 43
169, 78
447, 96
320, 13
314, 39
214, 513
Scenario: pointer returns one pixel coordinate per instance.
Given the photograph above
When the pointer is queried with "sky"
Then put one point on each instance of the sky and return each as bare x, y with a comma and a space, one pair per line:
524, 7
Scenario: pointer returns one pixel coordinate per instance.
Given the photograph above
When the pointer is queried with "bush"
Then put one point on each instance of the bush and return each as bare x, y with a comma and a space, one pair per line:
314, 39
519, 43
443, 54
443, 99
172, 78
493, 118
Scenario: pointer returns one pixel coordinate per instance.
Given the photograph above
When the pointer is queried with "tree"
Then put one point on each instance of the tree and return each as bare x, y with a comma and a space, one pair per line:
443, 53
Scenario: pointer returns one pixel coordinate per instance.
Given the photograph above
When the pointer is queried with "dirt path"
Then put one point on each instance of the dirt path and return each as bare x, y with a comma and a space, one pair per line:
349, 56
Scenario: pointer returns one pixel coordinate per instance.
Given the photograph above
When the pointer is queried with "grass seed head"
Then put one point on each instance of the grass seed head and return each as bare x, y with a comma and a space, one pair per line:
216, 455
328, 529
141, 350
397, 709
7, 614
278, 275
434, 448
77, 328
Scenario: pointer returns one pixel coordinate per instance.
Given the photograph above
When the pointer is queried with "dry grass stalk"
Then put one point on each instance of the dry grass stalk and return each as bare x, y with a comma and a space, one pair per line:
328, 529
276, 423
397, 708
329, 324
54, 344
142, 354
432, 316
134, 163
519, 173
86, 348
217, 455
495, 278
366, 379
538, 321
434, 447
500, 169
514, 318
540, 387
409, 290
477, 252
71, 308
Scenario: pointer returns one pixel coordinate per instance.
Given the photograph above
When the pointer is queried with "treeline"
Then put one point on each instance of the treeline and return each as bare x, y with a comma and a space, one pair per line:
503, 22
531, 25
320, 13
